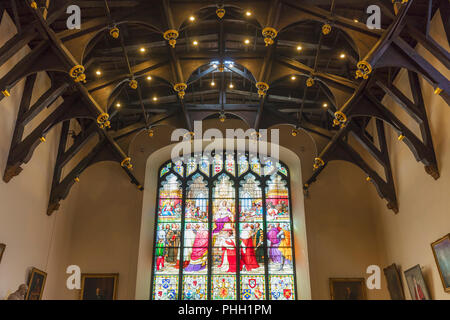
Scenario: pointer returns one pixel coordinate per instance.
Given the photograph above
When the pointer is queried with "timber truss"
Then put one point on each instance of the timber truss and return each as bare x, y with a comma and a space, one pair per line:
308, 64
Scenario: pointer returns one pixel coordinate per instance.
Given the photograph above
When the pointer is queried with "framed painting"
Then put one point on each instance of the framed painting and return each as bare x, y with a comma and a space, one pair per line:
441, 252
347, 289
2, 249
416, 284
99, 286
394, 282
36, 284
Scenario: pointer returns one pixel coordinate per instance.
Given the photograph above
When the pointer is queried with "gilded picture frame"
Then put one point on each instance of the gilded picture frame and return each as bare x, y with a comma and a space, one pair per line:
2, 250
348, 289
394, 282
417, 286
36, 284
99, 286
441, 253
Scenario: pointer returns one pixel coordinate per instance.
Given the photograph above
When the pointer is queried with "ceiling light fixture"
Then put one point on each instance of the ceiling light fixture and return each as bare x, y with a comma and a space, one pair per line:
192, 18
155, 99
293, 78
231, 86
247, 41
149, 78
142, 49
248, 13
325, 105
98, 72
118, 105
213, 83
342, 56
195, 42
299, 48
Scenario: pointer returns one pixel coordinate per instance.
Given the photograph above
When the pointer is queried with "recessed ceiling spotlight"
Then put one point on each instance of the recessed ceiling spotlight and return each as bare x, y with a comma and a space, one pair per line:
231, 86
118, 105
342, 56
293, 78
247, 41
155, 99
325, 105
248, 13
213, 83
142, 49
356, 20
299, 48
195, 42
98, 72
192, 18
149, 78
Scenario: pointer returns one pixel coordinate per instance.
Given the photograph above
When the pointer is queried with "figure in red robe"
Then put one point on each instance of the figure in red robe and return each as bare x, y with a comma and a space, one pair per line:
248, 256
228, 260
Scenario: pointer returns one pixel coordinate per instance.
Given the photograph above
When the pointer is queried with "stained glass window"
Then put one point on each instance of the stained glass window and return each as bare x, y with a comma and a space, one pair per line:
223, 230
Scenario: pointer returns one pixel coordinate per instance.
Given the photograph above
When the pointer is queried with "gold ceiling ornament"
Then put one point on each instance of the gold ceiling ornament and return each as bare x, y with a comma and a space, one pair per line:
400, 1
114, 32
77, 73
140, 187
364, 69
34, 5
6, 93
336, 122
102, 120
42, 139
294, 132
188, 135
306, 185
255, 135
269, 35
181, 89
438, 91
126, 163
221, 67
222, 117
368, 179
220, 12
326, 29
76, 179
133, 84
318, 163
341, 117
151, 133
310, 82
401, 137
262, 88
171, 36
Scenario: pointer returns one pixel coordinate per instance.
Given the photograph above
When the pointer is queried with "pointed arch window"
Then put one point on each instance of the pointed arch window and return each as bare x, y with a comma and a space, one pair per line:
223, 230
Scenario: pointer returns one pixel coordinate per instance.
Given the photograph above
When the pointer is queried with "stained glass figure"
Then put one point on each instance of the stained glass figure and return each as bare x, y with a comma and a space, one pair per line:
279, 248
253, 287
200, 241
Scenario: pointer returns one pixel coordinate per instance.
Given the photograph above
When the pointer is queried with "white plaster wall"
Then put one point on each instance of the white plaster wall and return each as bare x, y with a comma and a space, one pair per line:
424, 203
32, 238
